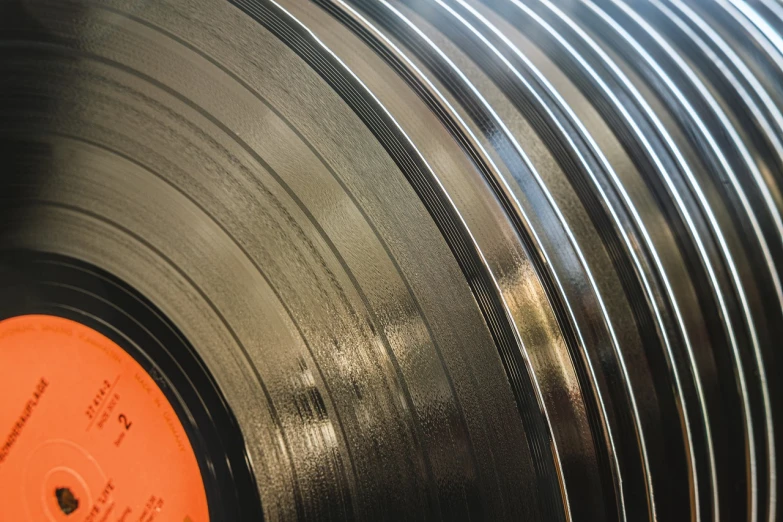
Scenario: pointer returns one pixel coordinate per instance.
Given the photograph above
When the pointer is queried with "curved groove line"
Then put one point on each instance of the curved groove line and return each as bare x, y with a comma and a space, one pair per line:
435, 199
727, 169
422, 90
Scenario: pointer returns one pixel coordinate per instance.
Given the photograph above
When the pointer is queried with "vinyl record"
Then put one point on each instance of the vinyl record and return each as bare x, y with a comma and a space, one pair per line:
390, 260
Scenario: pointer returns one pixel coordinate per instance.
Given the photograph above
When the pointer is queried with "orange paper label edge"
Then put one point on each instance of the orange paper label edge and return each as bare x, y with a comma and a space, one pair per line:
86, 435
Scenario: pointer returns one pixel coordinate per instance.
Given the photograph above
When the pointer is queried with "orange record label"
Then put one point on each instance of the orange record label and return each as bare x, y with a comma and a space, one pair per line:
86, 435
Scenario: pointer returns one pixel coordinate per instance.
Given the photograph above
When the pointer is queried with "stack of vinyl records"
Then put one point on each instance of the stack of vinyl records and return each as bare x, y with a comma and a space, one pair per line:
391, 260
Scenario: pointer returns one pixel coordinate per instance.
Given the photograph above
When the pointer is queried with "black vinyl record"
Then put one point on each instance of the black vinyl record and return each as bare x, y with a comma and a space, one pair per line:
390, 260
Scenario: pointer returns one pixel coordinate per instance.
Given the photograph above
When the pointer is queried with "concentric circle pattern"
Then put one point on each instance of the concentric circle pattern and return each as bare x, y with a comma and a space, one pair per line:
441, 259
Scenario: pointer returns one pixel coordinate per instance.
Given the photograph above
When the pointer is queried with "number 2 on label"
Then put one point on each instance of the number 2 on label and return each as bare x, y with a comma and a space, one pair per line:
124, 420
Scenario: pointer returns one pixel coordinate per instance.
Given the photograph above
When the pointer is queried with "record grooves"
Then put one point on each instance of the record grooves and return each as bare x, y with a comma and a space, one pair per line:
390, 260
438, 205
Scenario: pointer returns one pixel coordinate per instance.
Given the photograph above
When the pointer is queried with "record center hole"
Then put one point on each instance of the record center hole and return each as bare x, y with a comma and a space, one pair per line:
65, 499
